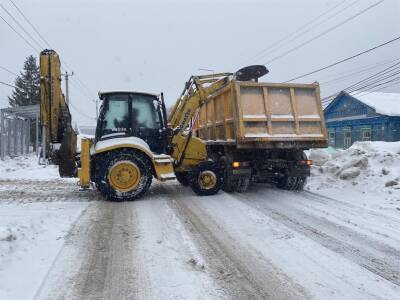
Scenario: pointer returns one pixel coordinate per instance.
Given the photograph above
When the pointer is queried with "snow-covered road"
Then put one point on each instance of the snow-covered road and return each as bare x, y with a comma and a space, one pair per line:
266, 243
57, 242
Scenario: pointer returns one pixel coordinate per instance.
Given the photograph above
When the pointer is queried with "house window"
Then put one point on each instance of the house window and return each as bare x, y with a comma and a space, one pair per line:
366, 134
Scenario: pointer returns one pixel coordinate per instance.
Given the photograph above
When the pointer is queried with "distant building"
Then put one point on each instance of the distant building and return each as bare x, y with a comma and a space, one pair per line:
367, 117
87, 130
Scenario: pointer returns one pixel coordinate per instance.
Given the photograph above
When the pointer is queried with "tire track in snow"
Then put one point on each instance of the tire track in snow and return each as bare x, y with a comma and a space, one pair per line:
97, 260
242, 273
376, 257
28, 191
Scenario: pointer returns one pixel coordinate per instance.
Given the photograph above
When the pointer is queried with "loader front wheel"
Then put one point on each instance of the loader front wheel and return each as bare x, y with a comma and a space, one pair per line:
124, 175
206, 179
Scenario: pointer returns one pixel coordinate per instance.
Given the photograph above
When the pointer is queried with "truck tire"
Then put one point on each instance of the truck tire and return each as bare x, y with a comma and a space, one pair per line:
124, 175
242, 184
229, 183
292, 183
183, 178
206, 179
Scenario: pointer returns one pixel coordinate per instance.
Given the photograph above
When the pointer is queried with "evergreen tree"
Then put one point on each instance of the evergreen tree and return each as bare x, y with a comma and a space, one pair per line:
27, 90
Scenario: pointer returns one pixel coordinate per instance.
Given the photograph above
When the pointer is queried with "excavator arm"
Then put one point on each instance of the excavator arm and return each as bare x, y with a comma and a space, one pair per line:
58, 136
188, 151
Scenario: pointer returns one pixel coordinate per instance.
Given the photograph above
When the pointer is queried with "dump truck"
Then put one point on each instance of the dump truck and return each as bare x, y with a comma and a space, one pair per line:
136, 141
258, 131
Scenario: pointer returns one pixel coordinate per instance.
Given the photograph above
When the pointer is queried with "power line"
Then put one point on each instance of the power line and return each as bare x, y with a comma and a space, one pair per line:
380, 75
7, 70
20, 26
10, 85
279, 42
361, 70
324, 32
30, 23
80, 89
374, 78
47, 43
375, 83
302, 33
20, 35
345, 60
80, 112
381, 88
370, 82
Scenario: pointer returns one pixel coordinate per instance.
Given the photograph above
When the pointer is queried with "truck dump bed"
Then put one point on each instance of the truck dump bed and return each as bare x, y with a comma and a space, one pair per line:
263, 115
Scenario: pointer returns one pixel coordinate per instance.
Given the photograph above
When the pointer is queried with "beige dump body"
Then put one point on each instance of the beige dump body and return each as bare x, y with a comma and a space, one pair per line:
263, 115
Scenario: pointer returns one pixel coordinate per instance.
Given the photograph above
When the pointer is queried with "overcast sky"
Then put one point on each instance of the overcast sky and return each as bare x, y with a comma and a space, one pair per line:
155, 46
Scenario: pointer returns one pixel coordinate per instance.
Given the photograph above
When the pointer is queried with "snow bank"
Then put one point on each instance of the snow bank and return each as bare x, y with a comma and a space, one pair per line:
366, 175
26, 167
373, 166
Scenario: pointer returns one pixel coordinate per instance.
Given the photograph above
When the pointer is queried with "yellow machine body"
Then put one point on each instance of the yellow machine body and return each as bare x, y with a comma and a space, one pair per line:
84, 170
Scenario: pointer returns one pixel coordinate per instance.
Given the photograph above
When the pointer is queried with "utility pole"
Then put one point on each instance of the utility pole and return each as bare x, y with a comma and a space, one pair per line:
66, 76
96, 101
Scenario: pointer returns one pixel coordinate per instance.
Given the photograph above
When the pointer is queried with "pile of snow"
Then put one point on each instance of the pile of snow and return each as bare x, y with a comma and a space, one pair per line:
372, 166
26, 167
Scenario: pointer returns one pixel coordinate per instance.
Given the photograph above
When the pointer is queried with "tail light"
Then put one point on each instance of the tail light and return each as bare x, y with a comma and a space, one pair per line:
307, 162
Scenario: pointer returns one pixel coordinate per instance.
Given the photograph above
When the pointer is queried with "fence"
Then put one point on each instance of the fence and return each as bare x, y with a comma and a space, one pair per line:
15, 130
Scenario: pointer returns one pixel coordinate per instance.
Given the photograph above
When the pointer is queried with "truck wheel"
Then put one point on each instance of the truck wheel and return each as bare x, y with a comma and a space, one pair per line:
242, 184
183, 178
292, 183
229, 184
206, 179
124, 175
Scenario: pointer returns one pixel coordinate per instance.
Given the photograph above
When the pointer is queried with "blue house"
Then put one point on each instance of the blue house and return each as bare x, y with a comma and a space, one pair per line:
367, 117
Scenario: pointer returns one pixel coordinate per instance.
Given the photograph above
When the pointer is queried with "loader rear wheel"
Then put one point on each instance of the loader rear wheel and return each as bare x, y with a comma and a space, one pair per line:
124, 175
206, 179
183, 178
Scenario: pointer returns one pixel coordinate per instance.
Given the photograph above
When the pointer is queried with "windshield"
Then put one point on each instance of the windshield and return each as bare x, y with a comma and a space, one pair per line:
127, 113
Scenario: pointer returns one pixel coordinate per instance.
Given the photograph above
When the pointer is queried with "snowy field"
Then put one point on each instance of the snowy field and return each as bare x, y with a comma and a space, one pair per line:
339, 239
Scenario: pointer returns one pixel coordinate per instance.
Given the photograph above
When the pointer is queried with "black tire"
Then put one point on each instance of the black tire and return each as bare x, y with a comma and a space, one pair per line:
242, 184
183, 178
201, 169
229, 183
113, 157
292, 183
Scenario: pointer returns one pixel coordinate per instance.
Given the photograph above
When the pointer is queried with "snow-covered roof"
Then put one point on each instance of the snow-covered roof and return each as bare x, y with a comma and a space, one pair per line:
384, 103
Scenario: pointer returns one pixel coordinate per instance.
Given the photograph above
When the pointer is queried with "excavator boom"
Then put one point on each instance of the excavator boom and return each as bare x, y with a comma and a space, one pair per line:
58, 136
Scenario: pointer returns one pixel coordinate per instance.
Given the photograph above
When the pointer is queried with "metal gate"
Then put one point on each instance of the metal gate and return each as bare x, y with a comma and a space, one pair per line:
15, 130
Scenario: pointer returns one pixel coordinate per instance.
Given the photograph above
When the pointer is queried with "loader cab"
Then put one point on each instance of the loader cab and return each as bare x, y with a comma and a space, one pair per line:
132, 114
